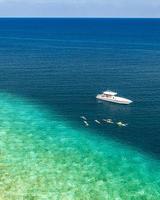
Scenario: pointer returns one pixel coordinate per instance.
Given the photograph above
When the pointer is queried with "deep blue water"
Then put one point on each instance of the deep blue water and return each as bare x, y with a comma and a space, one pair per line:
64, 63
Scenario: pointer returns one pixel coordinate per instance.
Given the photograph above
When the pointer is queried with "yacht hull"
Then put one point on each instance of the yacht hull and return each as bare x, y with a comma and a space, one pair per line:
115, 99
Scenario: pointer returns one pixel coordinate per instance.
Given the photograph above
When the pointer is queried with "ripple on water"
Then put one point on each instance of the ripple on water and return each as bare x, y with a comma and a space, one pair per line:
43, 157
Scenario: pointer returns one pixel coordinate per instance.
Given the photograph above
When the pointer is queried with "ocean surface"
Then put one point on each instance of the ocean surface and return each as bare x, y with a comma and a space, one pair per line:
50, 72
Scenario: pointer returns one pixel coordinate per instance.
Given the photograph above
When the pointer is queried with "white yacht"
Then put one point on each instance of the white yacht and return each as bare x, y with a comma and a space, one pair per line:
111, 96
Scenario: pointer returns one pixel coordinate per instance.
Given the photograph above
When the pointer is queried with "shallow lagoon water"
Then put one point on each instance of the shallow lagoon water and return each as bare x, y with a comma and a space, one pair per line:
51, 71
43, 156
65, 63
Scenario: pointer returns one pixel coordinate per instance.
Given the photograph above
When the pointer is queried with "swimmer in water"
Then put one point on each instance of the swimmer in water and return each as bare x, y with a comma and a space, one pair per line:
86, 123
121, 124
83, 117
98, 122
108, 121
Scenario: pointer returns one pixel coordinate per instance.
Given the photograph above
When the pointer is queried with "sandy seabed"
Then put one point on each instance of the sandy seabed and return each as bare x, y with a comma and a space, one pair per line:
42, 156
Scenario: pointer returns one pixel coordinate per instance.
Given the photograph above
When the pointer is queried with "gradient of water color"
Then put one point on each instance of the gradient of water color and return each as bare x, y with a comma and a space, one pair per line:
51, 71
44, 157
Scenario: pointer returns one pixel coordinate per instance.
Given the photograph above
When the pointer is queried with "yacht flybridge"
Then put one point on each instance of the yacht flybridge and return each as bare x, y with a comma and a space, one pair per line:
111, 96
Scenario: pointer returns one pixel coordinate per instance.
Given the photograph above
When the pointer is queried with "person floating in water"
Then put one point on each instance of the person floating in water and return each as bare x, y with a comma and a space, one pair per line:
121, 124
98, 122
86, 123
108, 121
83, 117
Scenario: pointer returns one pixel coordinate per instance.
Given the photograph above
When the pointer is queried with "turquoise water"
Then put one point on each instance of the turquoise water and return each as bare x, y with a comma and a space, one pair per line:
51, 71
44, 157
